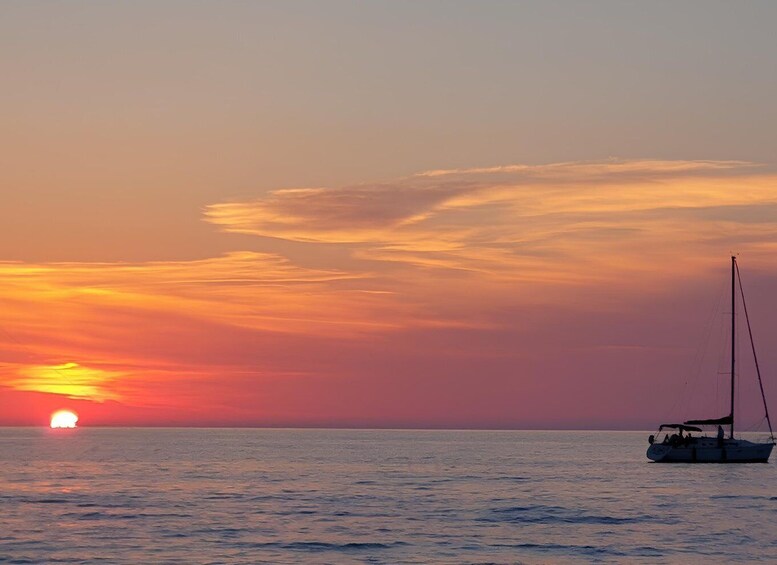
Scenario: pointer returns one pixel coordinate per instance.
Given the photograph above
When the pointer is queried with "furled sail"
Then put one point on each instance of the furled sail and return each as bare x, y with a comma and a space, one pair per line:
681, 427
724, 421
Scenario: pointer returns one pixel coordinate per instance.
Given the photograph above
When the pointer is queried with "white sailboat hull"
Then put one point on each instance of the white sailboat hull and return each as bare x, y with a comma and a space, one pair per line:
709, 450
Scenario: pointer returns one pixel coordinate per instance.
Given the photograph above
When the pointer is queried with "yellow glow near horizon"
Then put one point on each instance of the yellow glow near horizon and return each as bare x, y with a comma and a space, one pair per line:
69, 379
64, 419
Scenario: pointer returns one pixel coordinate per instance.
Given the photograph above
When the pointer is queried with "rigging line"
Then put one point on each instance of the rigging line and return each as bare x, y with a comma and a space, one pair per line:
756, 427
724, 336
755, 357
681, 400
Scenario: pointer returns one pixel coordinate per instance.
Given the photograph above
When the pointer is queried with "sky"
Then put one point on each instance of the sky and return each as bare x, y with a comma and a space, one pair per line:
384, 214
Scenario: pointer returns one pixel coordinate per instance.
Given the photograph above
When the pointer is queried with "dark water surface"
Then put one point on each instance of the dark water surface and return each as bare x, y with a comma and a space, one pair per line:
325, 496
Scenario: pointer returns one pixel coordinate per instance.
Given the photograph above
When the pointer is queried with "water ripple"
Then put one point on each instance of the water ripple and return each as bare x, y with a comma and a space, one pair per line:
279, 496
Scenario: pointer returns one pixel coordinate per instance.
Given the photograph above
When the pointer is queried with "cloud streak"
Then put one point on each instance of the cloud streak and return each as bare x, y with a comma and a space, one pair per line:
526, 222
119, 331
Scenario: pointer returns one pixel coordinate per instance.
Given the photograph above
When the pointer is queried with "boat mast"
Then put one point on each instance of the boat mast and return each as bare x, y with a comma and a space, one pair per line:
733, 335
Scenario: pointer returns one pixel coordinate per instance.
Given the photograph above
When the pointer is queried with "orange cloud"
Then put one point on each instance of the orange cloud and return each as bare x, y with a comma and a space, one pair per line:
252, 290
567, 222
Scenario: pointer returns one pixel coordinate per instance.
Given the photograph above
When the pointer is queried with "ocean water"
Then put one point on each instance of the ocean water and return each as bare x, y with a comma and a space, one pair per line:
336, 496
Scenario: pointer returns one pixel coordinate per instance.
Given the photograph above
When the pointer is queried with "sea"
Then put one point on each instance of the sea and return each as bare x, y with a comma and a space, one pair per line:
150, 495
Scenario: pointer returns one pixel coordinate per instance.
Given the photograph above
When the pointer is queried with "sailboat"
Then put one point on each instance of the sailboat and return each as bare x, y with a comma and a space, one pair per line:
678, 448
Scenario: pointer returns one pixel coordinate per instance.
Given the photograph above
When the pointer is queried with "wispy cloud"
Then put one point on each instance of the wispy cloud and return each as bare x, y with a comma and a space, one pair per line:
526, 222
253, 290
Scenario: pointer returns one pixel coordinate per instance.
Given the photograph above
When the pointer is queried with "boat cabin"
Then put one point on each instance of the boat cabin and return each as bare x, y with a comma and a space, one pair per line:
674, 436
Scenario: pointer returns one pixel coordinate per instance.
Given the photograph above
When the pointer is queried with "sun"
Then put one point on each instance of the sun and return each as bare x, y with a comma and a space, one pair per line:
64, 419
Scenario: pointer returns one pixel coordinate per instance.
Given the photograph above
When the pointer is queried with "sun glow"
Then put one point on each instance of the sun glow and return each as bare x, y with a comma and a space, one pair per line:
64, 419
68, 379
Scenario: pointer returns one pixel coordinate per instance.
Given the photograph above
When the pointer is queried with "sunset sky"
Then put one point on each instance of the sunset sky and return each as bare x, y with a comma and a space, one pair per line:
384, 214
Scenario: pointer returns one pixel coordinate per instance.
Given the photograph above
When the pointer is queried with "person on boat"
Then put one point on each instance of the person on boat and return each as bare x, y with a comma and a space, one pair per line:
720, 435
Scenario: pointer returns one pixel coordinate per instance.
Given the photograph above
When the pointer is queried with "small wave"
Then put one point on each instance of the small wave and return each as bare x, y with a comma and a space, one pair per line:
589, 550
221, 532
741, 497
98, 515
508, 479
315, 546
541, 514
88, 516
225, 496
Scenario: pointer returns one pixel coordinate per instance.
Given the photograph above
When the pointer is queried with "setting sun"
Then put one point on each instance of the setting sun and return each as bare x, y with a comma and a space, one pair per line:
64, 419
